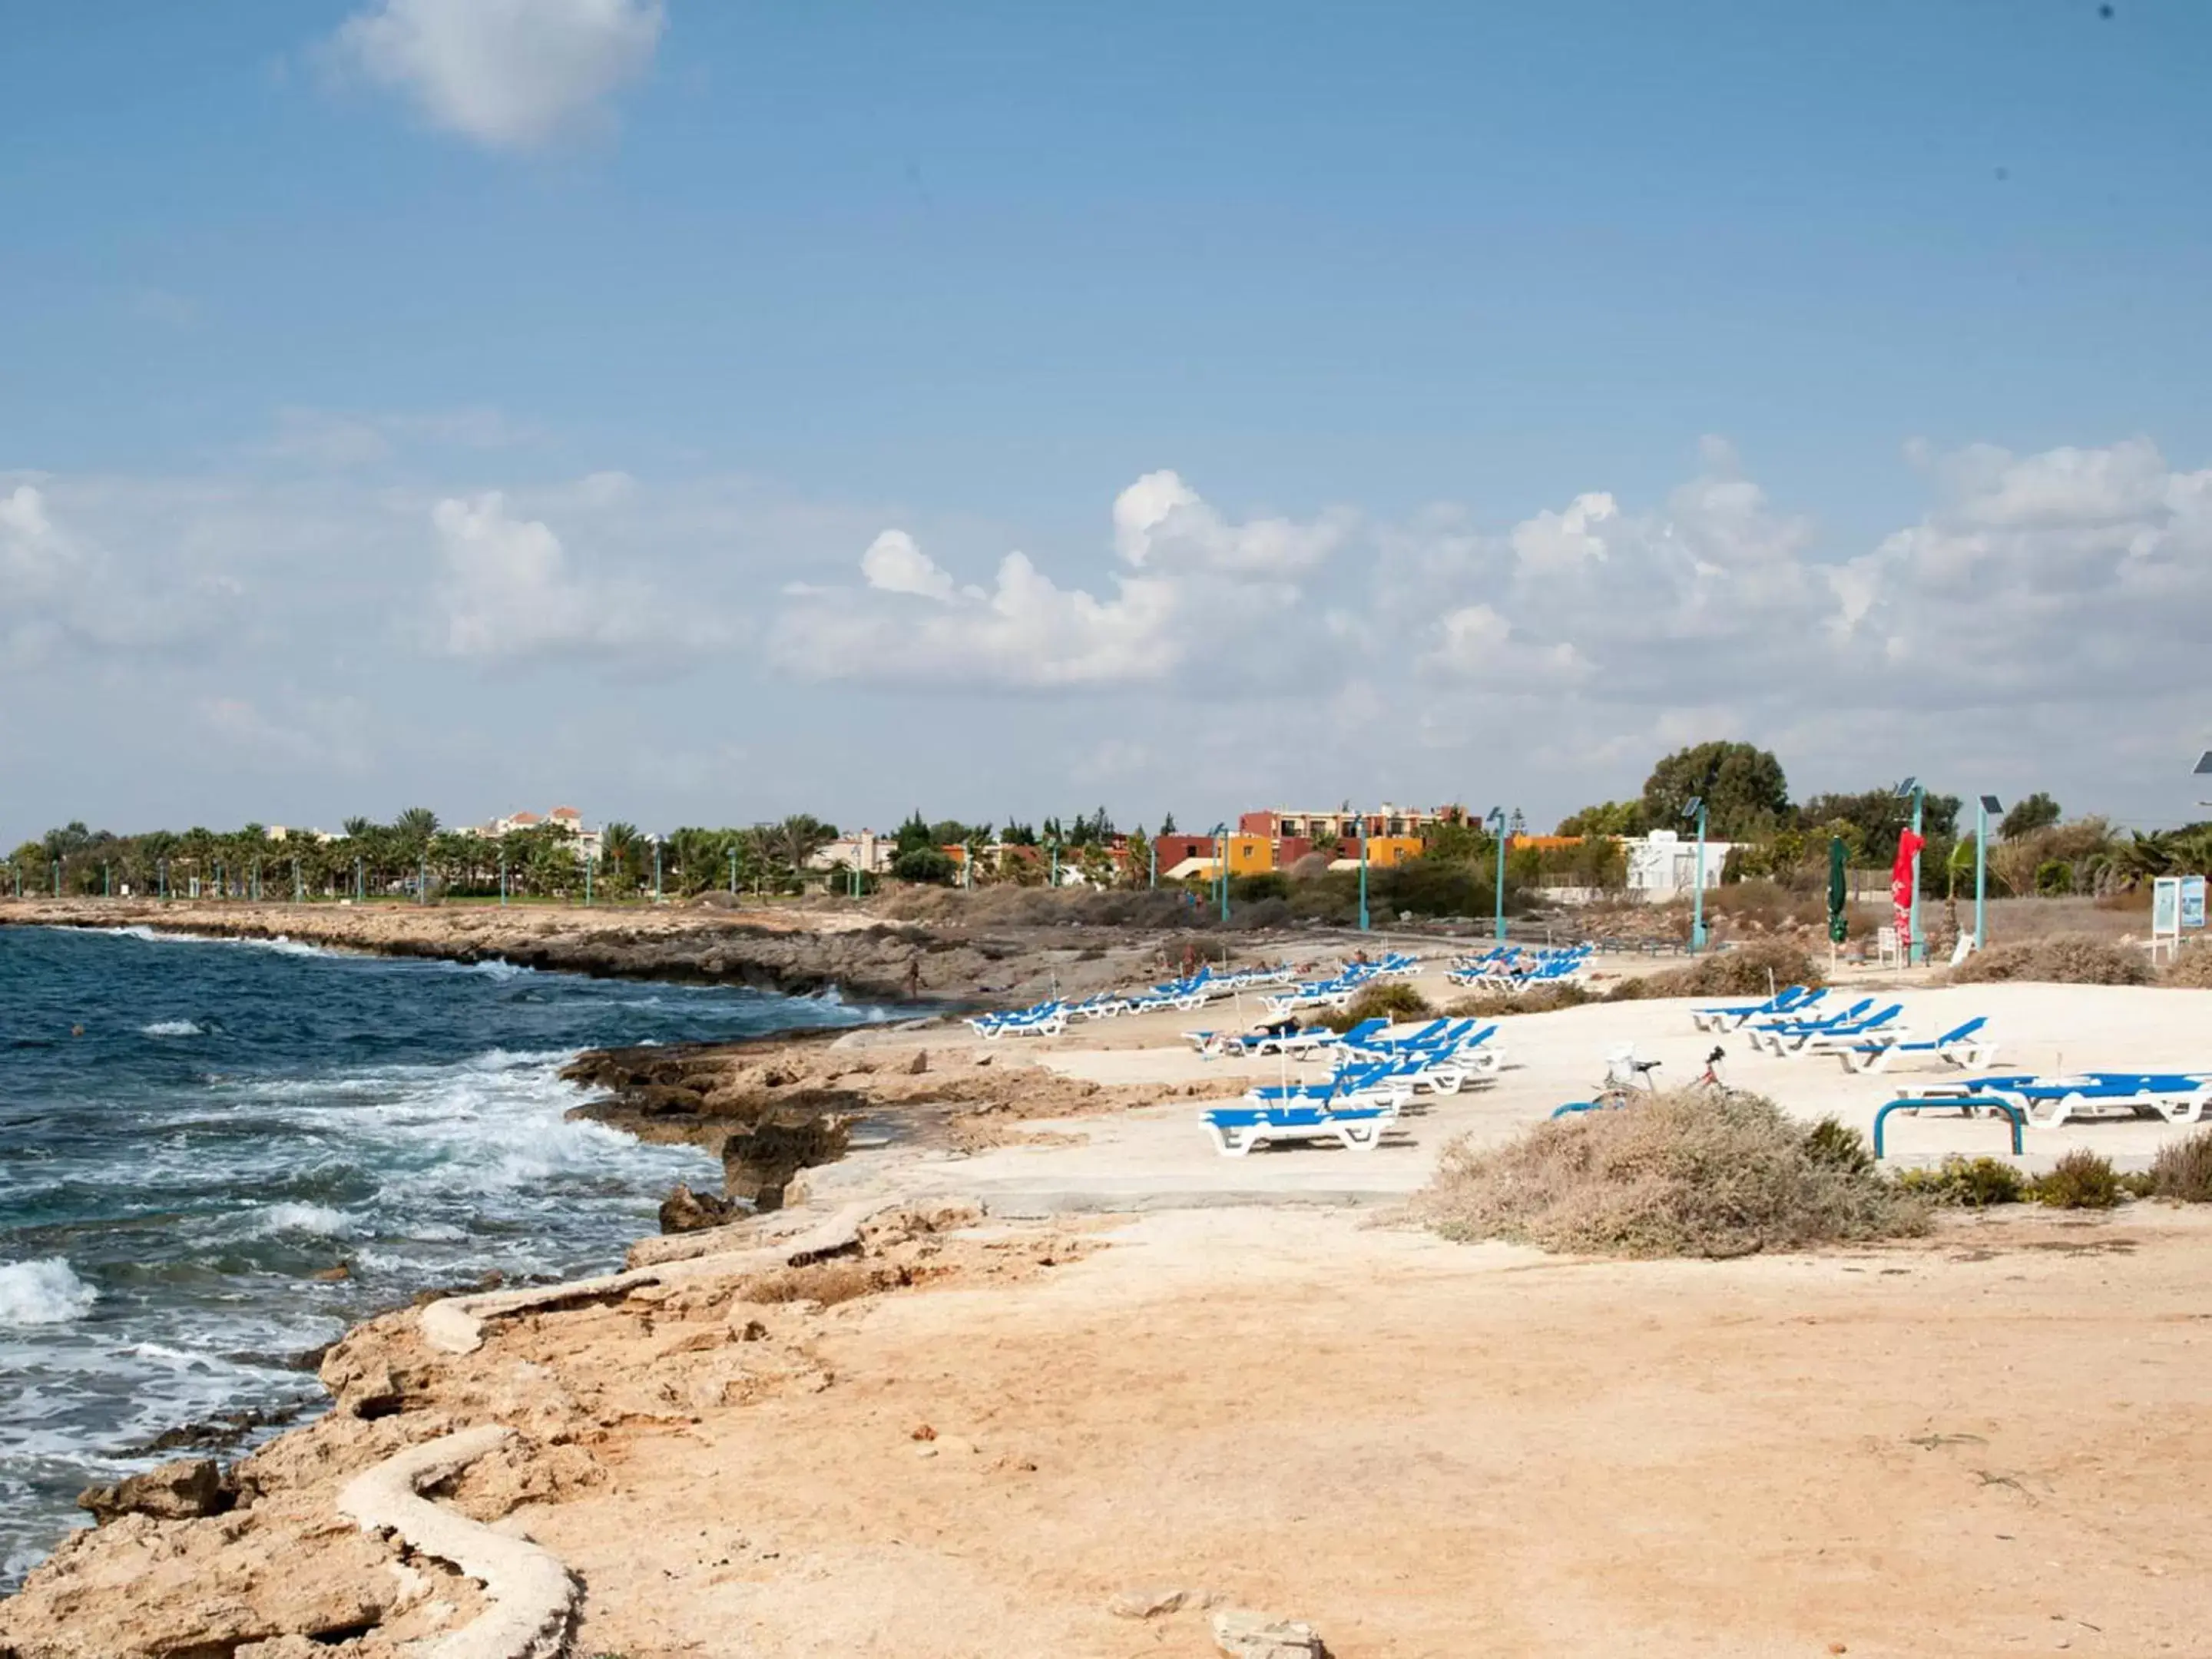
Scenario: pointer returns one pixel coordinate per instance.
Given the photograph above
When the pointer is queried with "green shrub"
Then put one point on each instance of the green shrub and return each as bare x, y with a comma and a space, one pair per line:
2080, 1180
2054, 878
2139, 1183
1680, 1173
1969, 1184
923, 864
2183, 1170
1836, 1145
1395, 1002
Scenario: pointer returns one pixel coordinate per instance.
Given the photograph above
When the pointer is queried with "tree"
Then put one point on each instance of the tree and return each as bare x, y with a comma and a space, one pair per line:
923, 864
2038, 811
915, 837
1745, 791
1608, 818
415, 826
1168, 824
1870, 821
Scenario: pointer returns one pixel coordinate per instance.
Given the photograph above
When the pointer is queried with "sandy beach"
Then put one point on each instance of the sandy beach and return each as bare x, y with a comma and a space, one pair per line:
1074, 1386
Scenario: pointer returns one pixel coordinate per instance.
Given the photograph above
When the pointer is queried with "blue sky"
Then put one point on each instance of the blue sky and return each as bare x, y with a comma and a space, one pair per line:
485, 402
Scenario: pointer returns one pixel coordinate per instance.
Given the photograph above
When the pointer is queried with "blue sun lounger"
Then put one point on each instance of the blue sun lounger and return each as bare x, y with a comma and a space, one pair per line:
1967, 1047
1237, 1130
1791, 1001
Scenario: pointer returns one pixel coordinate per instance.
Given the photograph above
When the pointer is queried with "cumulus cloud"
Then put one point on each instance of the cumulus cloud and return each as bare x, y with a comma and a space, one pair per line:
1161, 522
508, 74
506, 594
1189, 572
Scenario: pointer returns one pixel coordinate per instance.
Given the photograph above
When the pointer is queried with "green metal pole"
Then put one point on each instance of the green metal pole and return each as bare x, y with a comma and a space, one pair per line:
590, 864
360, 883
656, 872
299, 892
1362, 872
503, 875
1497, 821
422, 880
1698, 899
1152, 864
104, 891
733, 872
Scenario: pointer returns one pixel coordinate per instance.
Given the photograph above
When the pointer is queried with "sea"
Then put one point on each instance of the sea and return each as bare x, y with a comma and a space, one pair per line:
193, 1130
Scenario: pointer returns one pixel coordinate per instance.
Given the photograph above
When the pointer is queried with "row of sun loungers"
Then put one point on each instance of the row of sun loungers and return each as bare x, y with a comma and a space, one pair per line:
2046, 1102
1378, 1072
1051, 1018
1341, 986
1795, 1022
1516, 967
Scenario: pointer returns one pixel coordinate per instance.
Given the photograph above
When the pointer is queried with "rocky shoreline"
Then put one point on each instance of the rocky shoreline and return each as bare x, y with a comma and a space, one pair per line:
790, 949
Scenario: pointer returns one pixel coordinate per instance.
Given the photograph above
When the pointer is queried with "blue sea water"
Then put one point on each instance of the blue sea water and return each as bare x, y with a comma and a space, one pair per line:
190, 1129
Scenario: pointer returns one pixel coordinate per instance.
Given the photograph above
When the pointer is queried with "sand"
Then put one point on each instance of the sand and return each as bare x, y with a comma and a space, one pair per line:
1121, 1362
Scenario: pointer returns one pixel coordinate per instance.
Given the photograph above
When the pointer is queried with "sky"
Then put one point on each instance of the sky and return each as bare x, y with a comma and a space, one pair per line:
702, 413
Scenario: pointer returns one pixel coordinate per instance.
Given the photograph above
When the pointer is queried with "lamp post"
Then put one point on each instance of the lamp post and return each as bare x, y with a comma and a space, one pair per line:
733, 872
1911, 786
1221, 866
656, 869
360, 882
1985, 810
590, 864
503, 875
1494, 821
1153, 861
1053, 847
1363, 872
1696, 808
163, 867
105, 889
299, 892
421, 879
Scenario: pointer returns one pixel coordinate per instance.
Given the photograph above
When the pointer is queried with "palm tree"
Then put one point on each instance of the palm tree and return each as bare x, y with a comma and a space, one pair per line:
356, 828
415, 826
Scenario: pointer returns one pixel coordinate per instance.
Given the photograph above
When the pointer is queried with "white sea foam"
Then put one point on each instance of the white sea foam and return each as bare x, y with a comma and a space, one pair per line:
43, 1291
497, 968
319, 1218
172, 1028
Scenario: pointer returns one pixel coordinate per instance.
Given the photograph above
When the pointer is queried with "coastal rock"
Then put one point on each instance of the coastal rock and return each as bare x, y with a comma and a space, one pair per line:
361, 1384
759, 1163
183, 1490
919, 1063
1242, 1634
1154, 1601
686, 1211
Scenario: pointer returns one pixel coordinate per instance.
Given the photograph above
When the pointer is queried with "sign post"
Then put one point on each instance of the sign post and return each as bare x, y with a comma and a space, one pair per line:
2164, 916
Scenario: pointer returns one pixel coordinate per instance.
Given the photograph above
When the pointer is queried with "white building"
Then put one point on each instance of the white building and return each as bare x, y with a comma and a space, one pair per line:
866, 851
1663, 865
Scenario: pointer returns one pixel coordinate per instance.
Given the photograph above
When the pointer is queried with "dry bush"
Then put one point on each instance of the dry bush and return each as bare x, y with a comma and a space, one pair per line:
2183, 1170
2061, 959
1744, 972
1394, 1002
1536, 999
2190, 970
1681, 1174
824, 1282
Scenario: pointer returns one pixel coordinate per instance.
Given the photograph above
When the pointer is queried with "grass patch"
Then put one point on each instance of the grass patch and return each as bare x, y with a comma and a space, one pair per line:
1394, 1002
2183, 1170
2061, 959
1740, 973
1971, 1183
1680, 1174
1536, 999
2080, 1180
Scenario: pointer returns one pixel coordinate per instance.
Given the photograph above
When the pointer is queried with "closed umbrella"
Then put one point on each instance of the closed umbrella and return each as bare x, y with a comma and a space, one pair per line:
1838, 894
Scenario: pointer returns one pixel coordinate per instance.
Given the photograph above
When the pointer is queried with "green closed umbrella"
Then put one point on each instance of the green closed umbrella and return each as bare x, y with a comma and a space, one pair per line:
1838, 893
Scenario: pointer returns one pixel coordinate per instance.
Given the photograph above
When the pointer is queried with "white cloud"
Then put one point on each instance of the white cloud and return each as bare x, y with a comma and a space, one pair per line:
508, 74
893, 564
1193, 578
1161, 521
506, 594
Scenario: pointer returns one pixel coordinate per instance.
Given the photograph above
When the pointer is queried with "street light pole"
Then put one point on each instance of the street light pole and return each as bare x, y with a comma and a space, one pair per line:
1985, 810
503, 875
1221, 867
656, 869
1363, 872
1696, 809
1494, 821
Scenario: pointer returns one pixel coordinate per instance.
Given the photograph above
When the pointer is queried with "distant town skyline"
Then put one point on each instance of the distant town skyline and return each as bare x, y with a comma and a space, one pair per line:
720, 413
